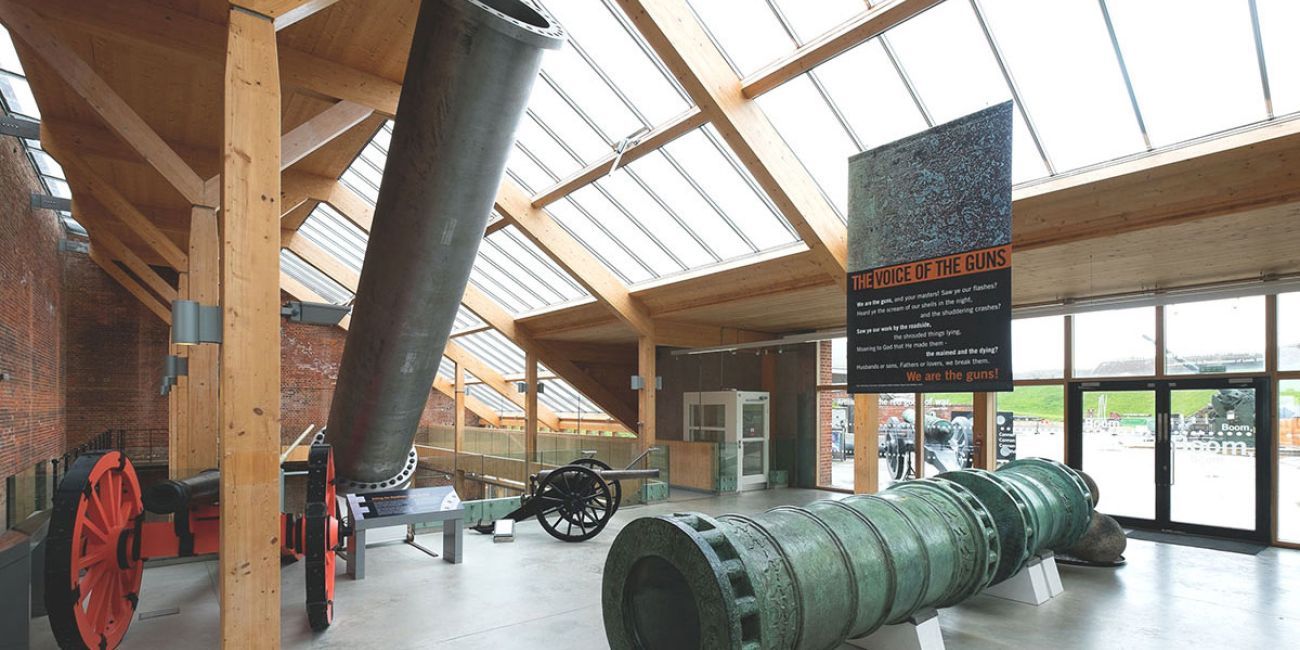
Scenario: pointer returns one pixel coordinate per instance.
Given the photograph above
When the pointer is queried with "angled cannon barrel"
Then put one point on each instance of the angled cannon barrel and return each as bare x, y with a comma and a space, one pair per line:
815, 576
471, 69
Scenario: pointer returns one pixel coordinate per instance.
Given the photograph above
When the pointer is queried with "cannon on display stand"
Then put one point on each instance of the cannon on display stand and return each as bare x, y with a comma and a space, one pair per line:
99, 540
574, 502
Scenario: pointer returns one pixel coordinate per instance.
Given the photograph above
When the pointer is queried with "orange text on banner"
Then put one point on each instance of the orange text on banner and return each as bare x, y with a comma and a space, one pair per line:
935, 268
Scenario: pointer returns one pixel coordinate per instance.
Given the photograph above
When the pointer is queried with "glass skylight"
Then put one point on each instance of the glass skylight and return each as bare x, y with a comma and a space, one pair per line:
313, 279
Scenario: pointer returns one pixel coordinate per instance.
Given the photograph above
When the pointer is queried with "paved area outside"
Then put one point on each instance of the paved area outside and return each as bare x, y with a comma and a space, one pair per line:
540, 593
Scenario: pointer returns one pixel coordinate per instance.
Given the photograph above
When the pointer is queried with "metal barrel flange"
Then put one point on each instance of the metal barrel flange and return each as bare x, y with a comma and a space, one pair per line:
815, 576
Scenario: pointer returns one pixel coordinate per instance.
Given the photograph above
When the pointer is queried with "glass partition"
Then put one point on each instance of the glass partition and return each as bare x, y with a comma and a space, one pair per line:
1288, 462
1215, 336
1038, 420
1119, 343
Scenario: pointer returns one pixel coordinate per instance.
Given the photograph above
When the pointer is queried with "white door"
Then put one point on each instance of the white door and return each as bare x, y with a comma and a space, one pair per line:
753, 463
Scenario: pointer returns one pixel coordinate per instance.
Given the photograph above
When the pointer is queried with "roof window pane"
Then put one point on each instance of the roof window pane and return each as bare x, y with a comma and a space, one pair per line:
623, 58
708, 161
545, 149
689, 202
525, 253
18, 96
747, 31
46, 165
870, 95
641, 204
1279, 23
607, 250
962, 77
1192, 63
495, 350
568, 126
331, 231
1068, 76
580, 81
638, 241
8, 55
808, 125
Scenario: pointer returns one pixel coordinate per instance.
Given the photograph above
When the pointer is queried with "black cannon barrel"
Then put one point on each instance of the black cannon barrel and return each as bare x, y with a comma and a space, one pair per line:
177, 495
468, 79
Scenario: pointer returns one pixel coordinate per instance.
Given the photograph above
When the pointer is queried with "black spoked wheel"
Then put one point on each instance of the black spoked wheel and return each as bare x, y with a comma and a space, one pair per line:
899, 456
616, 489
573, 503
321, 533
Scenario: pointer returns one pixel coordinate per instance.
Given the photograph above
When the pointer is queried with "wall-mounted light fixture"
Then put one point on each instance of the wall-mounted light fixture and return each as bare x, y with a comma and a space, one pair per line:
314, 313
193, 323
173, 367
638, 382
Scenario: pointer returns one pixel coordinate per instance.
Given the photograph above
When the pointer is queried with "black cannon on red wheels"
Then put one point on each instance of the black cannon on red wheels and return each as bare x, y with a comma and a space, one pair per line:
574, 502
99, 540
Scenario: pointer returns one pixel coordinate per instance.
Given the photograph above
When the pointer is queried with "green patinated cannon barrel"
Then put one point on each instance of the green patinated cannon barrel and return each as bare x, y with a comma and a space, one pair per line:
815, 576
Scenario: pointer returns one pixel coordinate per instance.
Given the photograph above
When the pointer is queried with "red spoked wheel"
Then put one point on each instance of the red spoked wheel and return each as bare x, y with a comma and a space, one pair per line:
92, 565
321, 536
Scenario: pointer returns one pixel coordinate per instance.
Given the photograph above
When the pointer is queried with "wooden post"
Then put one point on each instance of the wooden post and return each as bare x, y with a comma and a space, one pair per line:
249, 578
866, 456
986, 430
530, 414
646, 399
196, 448
918, 457
458, 434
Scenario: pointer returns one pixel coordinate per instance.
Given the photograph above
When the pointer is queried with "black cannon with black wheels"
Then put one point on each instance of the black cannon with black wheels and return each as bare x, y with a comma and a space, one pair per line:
574, 502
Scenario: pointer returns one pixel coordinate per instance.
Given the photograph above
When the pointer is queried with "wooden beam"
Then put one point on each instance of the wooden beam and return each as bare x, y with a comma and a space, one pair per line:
178, 402
866, 461
646, 396
658, 137
129, 283
249, 575
197, 450
320, 130
874, 22
106, 194
466, 360
115, 112
475, 405
985, 430
174, 32
681, 42
530, 413
491, 313
573, 257
88, 213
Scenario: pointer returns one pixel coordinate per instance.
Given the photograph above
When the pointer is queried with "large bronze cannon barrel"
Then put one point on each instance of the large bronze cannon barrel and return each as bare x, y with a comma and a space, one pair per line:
815, 576
471, 70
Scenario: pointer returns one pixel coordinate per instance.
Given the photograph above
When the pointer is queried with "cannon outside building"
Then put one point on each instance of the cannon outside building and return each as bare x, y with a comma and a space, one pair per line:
815, 576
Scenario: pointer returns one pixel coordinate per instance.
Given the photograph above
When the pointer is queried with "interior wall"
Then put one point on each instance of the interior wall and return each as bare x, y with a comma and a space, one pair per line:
114, 350
793, 397
31, 315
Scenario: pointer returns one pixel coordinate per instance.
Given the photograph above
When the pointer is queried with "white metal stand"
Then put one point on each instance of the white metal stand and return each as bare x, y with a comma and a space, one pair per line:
921, 632
1037, 583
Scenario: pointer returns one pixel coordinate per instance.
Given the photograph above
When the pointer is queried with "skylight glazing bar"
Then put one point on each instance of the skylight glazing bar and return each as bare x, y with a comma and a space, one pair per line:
529, 271
745, 176
1259, 55
722, 214
1123, 71
609, 83
522, 285
1011, 85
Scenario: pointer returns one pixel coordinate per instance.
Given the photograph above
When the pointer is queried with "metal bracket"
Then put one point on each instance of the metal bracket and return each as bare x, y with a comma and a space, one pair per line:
193, 323
20, 128
46, 202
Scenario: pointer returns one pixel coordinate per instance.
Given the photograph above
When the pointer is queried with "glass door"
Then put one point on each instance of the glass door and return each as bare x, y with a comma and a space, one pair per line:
753, 444
1189, 455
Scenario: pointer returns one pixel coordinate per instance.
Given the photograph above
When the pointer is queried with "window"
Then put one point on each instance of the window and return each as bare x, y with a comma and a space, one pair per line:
1038, 420
1215, 336
1120, 343
948, 432
1038, 347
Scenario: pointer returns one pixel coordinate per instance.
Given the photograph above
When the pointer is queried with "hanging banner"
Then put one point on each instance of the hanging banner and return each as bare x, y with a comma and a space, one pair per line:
929, 282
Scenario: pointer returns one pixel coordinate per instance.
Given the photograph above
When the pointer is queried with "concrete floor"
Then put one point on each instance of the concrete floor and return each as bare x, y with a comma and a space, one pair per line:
539, 593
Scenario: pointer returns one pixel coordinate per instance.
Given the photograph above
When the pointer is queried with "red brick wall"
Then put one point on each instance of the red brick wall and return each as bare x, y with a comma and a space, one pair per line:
309, 366
825, 400
31, 313
114, 350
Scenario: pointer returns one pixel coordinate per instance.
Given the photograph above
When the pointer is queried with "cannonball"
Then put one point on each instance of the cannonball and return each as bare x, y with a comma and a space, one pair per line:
1092, 487
1104, 543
